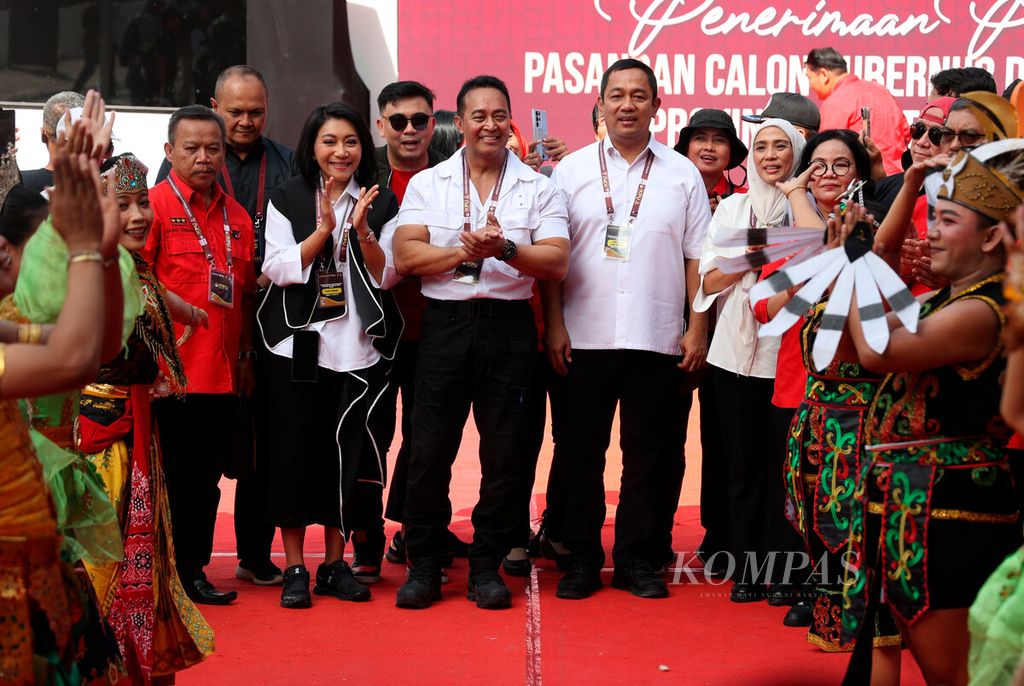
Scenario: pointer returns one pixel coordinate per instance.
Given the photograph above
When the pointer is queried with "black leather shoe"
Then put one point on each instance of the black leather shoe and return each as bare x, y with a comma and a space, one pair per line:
202, 592
782, 596
489, 591
800, 614
421, 588
396, 551
579, 582
516, 567
295, 593
639, 578
336, 579
747, 593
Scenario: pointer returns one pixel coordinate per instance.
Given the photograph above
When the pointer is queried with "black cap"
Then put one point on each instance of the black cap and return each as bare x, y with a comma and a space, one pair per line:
713, 119
793, 107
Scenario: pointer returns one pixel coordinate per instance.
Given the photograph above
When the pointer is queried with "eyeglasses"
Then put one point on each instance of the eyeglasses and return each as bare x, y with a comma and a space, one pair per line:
839, 167
968, 138
400, 121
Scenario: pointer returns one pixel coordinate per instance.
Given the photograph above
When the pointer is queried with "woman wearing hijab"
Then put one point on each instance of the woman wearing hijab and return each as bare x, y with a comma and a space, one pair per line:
743, 365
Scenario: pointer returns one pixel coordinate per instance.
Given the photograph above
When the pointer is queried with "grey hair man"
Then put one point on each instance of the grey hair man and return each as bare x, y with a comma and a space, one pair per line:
53, 110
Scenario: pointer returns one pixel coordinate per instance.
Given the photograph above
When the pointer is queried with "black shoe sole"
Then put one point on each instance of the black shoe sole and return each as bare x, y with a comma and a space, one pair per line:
639, 593
342, 596
418, 603
300, 604
226, 599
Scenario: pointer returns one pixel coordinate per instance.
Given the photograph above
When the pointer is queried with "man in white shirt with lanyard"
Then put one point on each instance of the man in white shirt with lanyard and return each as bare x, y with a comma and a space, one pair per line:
617, 327
478, 228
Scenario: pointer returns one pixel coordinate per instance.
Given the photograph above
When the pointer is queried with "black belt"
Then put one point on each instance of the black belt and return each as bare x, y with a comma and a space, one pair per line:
477, 308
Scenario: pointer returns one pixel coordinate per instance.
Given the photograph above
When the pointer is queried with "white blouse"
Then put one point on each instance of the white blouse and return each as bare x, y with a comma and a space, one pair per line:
344, 345
736, 346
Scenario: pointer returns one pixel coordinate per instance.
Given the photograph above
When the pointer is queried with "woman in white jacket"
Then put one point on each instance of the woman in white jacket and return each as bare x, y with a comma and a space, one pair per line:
744, 364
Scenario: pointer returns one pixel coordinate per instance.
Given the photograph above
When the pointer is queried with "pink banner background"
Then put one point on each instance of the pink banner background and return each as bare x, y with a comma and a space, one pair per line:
706, 53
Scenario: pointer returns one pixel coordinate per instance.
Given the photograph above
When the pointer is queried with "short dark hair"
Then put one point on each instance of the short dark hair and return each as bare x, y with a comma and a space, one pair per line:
861, 159
826, 58
195, 112
1008, 93
22, 211
240, 71
623, 65
953, 82
305, 158
481, 82
400, 90
594, 114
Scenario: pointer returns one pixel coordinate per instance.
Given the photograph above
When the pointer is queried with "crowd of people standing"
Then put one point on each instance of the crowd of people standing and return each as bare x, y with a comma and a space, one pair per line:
259, 311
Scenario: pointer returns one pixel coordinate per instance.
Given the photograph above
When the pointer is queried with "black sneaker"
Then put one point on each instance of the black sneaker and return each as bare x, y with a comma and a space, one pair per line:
295, 593
640, 579
422, 586
396, 550
336, 579
747, 593
580, 580
263, 573
489, 591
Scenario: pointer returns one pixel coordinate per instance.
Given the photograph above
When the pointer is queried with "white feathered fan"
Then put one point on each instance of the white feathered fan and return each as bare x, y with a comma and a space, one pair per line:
852, 267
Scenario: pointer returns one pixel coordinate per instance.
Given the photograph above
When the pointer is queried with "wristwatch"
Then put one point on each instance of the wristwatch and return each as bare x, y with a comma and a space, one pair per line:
509, 252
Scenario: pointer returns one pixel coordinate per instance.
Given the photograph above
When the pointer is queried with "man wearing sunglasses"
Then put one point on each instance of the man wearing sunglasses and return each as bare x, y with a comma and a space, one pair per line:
406, 123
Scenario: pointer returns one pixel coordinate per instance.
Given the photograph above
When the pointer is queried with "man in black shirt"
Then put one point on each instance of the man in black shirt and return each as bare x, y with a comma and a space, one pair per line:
255, 165
53, 110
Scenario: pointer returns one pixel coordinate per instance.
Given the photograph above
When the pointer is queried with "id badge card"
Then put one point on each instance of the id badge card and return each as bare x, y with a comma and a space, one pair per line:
330, 288
618, 239
468, 272
222, 288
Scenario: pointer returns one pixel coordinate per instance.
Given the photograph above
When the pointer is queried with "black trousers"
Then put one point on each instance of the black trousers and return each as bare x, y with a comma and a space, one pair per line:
195, 436
403, 378
653, 400
714, 474
558, 475
753, 434
477, 354
254, 532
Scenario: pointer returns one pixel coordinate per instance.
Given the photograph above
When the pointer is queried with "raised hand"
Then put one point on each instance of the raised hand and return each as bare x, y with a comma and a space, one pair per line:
362, 208
75, 202
327, 222
798, 182
98, 124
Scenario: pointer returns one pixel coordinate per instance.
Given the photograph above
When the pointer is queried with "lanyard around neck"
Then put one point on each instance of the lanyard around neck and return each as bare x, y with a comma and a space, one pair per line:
203, 243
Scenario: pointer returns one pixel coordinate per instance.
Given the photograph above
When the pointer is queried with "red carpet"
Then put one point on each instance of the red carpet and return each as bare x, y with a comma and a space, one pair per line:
694, 637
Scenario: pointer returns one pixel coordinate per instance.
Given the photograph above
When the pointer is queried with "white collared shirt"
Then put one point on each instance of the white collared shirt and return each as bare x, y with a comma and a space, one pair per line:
529, 209
344, 345
636, 304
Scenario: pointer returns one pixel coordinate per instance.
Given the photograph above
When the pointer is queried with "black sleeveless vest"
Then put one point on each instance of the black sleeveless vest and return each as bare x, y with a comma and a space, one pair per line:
292, 308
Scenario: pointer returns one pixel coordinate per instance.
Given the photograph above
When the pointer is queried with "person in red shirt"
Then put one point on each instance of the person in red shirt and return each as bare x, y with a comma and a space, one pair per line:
201, 247
843, 98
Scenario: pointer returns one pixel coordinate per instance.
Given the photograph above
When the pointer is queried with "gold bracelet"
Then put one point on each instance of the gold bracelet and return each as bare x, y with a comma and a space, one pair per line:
3, 359
85, 256
798, 188
30, 333
369, 238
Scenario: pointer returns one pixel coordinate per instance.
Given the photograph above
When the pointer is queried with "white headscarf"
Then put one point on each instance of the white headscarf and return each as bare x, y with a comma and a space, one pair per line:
768, 203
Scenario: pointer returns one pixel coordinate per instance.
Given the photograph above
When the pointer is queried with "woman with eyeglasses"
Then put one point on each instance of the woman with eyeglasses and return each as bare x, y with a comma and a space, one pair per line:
332, 331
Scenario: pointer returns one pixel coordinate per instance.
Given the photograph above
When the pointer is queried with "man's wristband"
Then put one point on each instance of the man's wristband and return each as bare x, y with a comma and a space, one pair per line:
247, 355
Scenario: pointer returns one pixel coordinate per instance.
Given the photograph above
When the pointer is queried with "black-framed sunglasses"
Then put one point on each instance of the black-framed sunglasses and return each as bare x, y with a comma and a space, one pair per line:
839, 167
968, 138
400, 121
919, 129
